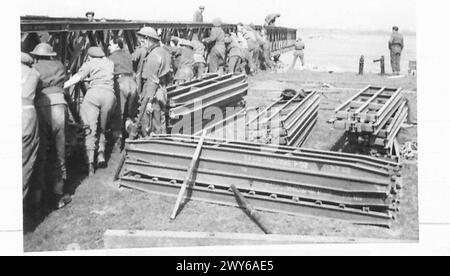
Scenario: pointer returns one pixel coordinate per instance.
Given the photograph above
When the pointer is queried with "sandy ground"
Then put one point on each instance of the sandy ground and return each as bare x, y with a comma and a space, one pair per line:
99, 205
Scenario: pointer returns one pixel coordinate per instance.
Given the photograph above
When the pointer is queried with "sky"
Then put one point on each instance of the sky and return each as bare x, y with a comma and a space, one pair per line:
327, 14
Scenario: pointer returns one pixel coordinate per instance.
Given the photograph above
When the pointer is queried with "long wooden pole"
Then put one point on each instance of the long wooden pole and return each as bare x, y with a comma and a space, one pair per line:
248, 208
190, 171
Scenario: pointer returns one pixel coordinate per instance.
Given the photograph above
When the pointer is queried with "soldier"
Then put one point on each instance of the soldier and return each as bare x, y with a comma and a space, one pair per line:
395, 47
267, 61
299, 46
30, 127
234, 53
198, 15
199, 56
248, 33
124, 84
155, 75
217, 53
52, 114
270, 19
185, 60
138, 57
98, 103
90, 16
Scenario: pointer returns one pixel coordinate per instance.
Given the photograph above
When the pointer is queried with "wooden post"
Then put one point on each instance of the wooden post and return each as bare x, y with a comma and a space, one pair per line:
190, 172
248, 208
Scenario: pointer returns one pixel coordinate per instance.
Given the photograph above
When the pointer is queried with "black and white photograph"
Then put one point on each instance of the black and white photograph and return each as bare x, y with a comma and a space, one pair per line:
149, 124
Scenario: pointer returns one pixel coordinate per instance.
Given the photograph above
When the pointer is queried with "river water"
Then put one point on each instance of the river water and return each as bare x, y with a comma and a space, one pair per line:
339, 51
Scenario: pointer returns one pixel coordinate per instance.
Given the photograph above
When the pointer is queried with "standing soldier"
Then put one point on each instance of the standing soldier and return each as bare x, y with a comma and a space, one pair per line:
217, 53
52, 115
198, 15
124, 83
234, 53
199, 56
98, 103
30, 127
155, 75
267, 61
396, 47
299, 46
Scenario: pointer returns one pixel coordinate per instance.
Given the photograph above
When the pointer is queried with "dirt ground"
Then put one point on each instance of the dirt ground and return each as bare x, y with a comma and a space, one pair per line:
98, 204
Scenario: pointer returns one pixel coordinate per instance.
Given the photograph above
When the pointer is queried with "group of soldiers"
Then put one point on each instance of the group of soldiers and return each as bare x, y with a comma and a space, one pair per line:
126, 93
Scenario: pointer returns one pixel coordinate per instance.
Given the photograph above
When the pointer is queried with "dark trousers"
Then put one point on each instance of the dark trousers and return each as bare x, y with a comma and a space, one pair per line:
30, 145
127, 103
52, 134
395, 61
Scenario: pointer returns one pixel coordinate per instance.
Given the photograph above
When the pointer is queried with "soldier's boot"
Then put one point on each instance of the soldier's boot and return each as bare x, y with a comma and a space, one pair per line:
91, 169
101, 161
90, 162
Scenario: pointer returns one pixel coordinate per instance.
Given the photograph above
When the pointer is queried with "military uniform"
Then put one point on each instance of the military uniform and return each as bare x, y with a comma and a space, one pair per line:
185, 57
155, 78
199, 58
299, 46
253, 47
98, 103
138, 57
30, 129
266, 53
234, 54
52, 114
198, 17
396, 46
125, 86
217, 54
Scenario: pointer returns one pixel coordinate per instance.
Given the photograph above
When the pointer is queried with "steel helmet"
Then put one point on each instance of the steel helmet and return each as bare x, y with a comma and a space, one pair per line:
187, 43
202, 7
43, 49
148, 32
90, 13
95, 52
217, 22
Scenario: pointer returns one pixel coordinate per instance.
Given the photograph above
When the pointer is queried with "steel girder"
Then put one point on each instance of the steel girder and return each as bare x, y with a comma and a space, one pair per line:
373, 117
356, 188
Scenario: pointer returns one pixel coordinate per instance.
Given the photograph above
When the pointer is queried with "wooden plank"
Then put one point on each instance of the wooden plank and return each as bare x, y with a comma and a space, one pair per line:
190, 172
118, 239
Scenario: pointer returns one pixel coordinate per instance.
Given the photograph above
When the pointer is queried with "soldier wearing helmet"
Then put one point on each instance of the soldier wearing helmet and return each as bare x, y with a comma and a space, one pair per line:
99, 102
198, 15
155, 77
52, 115
217, 41
90, 16
184, 55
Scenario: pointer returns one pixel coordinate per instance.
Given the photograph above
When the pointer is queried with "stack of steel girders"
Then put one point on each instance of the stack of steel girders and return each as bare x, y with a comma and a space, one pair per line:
373, 117
355, 188
287, 121
195, 105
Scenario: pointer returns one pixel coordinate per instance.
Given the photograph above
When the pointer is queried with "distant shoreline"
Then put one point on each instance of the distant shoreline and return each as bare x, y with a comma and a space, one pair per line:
355, 32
